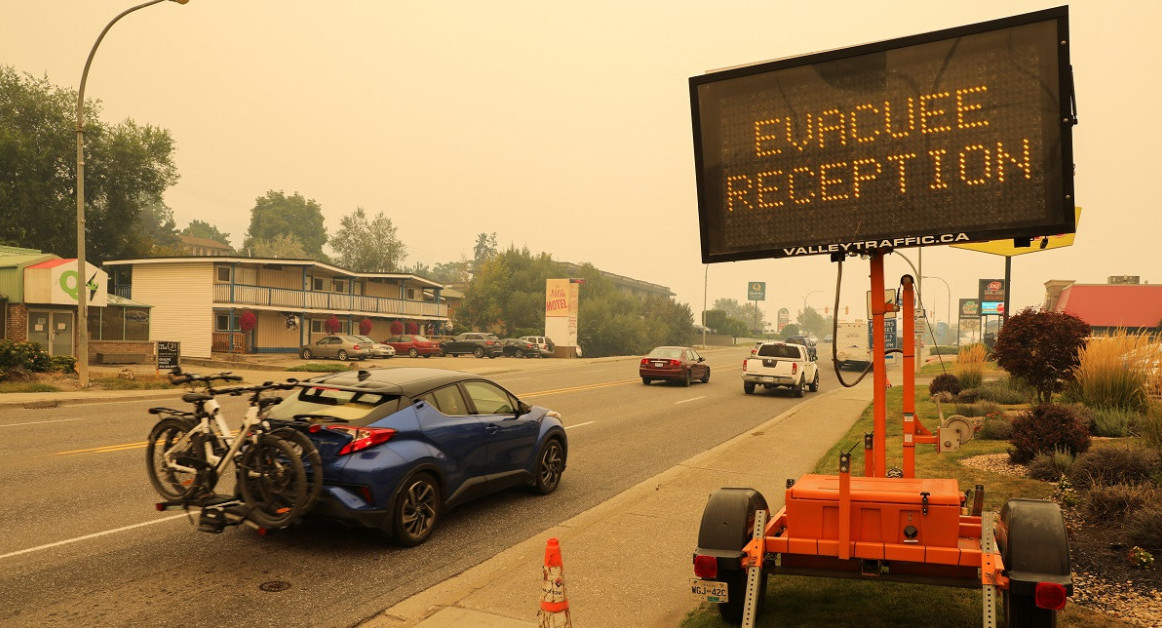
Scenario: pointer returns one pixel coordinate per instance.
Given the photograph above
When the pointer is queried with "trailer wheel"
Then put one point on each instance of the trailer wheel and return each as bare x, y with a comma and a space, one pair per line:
727, 526
1034, 545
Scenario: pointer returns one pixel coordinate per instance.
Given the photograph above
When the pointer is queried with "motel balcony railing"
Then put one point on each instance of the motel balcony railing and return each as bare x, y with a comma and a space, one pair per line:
308, 301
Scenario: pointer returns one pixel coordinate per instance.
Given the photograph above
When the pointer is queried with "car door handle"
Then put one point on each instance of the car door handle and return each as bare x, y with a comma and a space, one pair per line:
492, 429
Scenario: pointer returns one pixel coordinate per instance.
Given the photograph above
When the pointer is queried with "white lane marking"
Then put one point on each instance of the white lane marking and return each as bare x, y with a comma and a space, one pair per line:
689, 400
40, 422
566, 427
91, 536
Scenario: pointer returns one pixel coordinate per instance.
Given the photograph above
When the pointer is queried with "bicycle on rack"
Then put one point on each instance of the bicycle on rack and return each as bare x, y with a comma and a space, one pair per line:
278, 471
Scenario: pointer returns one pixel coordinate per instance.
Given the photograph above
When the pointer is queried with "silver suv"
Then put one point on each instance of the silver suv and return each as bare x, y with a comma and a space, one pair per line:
544, 343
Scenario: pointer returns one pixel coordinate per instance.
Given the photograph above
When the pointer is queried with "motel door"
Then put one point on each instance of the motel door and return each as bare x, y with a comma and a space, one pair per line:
51, 330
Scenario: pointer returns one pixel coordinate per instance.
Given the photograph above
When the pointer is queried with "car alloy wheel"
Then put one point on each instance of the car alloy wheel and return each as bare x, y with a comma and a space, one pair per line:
417, 510
342, 355
306, 354
550, 465
478, 352
413, 353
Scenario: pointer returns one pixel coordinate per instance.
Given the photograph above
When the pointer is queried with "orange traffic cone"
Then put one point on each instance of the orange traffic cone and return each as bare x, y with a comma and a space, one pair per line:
554, 611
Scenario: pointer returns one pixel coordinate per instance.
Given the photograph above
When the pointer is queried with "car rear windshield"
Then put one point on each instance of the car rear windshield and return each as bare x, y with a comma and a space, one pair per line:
354, 406
778, 351
666, 353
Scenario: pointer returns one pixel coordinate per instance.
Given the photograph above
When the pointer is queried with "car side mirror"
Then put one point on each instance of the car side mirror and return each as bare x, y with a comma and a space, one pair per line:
523, 408
701, 359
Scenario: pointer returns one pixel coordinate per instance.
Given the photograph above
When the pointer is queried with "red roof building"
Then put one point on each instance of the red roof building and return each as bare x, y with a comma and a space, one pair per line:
1109, 307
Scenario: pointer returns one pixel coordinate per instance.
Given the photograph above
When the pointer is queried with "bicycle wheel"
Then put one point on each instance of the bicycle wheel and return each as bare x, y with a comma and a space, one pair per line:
170, 483
312, 462
273, 482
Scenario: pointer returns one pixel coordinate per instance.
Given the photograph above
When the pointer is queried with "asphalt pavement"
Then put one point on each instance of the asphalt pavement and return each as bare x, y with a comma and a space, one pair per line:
627, 561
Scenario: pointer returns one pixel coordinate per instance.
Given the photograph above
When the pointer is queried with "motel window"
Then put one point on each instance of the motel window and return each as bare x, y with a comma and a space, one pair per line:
317, 284
340, 285
224, 273
224, 322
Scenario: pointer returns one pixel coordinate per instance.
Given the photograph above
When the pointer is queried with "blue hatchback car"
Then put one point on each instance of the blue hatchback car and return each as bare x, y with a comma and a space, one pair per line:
400, 447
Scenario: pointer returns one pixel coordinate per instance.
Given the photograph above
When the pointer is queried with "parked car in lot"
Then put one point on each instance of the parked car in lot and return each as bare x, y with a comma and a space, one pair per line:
341, 347
544, 343
408, 444
679, 364
474, 343
414, 345
520, 348
378, 349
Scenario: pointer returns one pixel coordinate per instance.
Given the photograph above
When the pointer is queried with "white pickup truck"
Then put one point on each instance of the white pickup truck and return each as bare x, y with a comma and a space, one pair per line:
780, 364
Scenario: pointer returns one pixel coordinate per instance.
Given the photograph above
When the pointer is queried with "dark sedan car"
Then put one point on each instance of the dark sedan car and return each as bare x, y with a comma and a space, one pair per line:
519, 348
413, 345
402, 446
678, 364
475, 343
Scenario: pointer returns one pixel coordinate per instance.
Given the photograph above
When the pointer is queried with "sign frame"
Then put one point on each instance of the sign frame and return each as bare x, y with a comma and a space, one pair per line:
169, 355
1050, 195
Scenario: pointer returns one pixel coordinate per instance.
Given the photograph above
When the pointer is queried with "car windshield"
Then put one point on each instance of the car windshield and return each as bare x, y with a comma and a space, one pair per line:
419, 339
778, 351
666, 352
351, 405
364, 339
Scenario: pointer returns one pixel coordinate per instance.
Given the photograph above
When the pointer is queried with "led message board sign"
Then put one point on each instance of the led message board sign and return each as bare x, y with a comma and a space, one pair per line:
962, 135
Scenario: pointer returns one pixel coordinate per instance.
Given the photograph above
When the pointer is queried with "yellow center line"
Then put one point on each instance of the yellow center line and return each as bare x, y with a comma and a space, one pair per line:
106, 449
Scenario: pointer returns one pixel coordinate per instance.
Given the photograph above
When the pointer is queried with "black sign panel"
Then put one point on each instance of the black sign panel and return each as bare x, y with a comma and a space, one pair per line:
991, 289
955, 136
169, 353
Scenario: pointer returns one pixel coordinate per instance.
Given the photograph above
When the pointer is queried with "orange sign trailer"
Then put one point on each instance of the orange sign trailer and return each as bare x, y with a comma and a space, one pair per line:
904, 529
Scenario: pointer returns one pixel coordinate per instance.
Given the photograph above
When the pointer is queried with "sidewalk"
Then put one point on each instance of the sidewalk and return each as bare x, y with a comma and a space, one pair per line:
627, 561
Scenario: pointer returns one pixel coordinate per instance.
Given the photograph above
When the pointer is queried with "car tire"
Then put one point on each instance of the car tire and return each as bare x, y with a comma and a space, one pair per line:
800, 387
305, 354
342, 355
478, 352
416, 510
412, 353
646, 381
706, 377
748, 388
685, 381
519, 353
550, 466
427, 355
815, 382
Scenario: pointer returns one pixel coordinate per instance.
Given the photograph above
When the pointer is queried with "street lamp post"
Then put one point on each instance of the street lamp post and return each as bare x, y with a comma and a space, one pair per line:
948, 292
807, 295
82, 282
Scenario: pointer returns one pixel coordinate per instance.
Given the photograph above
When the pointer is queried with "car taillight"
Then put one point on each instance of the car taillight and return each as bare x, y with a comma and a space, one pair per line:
645, 361
355, 347
1049, 595
675, 363
705, 567
362, 437
794, 368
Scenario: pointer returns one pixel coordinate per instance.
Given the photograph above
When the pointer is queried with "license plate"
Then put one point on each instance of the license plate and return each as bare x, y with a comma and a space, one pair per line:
659, 364
709, 590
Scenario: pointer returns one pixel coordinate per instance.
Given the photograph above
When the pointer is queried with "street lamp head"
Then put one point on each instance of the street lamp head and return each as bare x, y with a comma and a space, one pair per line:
180, 1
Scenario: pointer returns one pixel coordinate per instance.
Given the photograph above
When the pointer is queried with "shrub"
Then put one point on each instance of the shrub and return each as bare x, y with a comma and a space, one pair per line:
943, 350
1001, 393
945, 382
996, 427
27, 355
63, 363
1115, 464
1041, 348
968, 395
1049, 467
1144, 526
1112, 371
970, 366
1047, 428
1103, 504
1115, 422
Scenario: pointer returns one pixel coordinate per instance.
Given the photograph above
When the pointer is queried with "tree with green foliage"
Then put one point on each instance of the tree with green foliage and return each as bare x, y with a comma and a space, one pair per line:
812, 322
368, 247
749, 313
485, 249
276, 214
715, 319
507, 294
127, 170
667, 322
202, 229
1041, 348
791, 329
281, 247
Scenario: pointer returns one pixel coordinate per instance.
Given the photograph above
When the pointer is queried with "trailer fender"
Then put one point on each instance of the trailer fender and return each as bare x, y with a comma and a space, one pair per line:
727, 524
1034, 544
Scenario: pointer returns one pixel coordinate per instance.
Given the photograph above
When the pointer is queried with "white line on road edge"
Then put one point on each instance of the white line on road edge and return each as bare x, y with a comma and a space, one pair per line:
90, 536
566, 427
40, 422
689, 400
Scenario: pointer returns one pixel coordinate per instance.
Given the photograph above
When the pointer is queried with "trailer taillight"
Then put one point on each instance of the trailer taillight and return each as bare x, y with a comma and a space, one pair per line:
705, 567
1049, 595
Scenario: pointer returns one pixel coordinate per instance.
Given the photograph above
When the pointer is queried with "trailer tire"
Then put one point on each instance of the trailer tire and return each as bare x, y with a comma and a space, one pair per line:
727, 526
1034, 546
